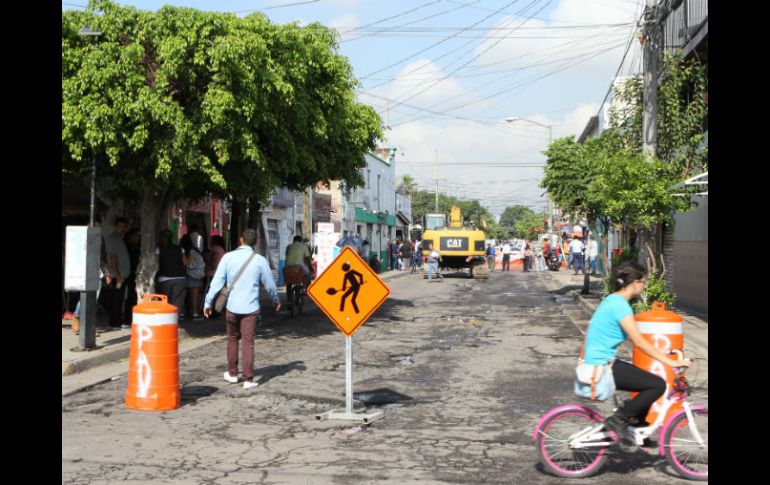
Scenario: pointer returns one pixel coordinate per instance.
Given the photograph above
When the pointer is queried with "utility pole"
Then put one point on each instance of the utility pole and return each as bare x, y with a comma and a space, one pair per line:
652, 38
435, 165
652, 52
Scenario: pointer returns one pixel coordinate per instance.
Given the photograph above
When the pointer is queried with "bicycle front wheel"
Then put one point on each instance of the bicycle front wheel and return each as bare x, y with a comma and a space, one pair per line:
555, 452
683, 452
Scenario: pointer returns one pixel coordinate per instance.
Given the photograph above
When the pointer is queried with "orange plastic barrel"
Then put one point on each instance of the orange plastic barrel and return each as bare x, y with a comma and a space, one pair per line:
153, 369
663, 329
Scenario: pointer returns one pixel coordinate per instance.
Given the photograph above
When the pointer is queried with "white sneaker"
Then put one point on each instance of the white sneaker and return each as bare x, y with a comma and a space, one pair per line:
231, 379
250, 384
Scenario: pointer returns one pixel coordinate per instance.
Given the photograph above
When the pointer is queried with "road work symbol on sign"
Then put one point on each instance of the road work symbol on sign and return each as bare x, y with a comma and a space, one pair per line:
348, 291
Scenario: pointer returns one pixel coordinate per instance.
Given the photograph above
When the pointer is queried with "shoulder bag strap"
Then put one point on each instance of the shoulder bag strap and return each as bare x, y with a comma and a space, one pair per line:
243, 268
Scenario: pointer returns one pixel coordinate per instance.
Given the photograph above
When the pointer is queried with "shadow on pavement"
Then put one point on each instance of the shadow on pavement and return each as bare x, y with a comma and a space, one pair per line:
380, 396
272, 371
625, 463
190, 394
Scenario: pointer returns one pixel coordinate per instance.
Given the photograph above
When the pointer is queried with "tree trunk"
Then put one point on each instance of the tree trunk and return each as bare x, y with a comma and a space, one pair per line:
236, 223
153, 206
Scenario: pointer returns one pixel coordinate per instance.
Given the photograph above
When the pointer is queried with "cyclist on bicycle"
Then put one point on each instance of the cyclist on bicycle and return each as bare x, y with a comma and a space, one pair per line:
611, 324
298, 255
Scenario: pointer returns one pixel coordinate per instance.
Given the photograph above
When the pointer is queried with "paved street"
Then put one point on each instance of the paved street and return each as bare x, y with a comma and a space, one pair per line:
463, 369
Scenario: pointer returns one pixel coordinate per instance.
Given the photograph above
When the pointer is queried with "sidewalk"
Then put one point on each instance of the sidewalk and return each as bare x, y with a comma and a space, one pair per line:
113, 346
695, 329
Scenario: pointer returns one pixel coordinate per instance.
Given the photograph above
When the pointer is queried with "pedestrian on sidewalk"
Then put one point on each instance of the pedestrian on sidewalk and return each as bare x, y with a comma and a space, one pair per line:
576, 248
491, 257
507, 256
212, 257
593, 253
434, 257
196, 271
134, 246
242, 307
405, 252
539, 261
393, 252
565, 250
527, 258
120, 267
172, 271
611, 324
375, 263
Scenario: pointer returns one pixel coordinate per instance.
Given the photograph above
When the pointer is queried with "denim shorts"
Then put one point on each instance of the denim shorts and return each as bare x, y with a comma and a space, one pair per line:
193, 283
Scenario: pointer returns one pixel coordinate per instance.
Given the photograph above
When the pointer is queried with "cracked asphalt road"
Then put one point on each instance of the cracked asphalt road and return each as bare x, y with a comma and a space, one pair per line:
462, 369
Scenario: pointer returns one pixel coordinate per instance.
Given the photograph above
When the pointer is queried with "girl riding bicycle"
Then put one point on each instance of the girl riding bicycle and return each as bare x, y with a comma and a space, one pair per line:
611, 324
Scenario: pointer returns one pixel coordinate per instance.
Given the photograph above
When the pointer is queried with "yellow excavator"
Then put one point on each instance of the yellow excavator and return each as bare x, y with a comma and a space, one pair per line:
458, 245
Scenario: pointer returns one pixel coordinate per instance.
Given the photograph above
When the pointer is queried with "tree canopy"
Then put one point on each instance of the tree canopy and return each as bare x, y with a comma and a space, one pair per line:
179, 102
200, 101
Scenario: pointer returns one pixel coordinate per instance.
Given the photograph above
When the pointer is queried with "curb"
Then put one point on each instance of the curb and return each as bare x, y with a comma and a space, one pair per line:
119, 352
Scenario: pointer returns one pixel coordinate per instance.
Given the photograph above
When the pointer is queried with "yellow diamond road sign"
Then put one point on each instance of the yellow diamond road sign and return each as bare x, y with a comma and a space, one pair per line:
348, 291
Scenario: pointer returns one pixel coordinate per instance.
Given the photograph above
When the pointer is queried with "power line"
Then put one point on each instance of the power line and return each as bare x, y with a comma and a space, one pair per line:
276, 6
517, 86
630, 41
435, 44
395, 29
473, 58
587, 54
427, 4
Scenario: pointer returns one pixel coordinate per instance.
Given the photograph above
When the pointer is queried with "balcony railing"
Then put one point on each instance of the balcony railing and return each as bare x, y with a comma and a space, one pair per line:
683, 22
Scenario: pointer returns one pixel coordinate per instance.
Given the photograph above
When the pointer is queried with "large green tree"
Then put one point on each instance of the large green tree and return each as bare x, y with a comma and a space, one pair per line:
511, 215
179, 102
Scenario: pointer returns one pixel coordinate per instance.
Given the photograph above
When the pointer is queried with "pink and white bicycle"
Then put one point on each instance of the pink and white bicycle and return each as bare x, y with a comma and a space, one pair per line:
572, 441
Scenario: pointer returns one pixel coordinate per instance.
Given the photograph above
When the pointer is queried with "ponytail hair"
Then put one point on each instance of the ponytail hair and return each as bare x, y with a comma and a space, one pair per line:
626, 273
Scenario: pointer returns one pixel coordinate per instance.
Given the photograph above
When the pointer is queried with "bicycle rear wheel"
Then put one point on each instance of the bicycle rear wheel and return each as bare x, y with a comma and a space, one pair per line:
290, 291
683, 452
554, 450
298, 300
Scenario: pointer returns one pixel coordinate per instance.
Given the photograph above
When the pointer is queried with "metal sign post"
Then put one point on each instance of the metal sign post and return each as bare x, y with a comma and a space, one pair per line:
347, 413
348, 292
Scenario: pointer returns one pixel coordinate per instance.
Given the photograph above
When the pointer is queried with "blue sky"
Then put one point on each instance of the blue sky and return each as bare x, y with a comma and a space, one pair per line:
445, 74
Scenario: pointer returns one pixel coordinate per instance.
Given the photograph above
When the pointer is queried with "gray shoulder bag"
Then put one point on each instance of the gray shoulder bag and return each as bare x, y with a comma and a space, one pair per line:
221, 299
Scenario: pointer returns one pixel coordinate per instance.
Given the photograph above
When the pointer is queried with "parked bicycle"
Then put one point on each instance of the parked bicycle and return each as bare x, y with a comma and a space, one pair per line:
572, 441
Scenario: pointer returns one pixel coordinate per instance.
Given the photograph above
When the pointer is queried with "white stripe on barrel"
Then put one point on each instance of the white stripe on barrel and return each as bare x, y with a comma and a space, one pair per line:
156, 319
667, 328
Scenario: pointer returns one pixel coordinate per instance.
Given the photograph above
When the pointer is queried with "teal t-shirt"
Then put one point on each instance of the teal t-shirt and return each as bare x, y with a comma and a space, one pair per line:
604, 332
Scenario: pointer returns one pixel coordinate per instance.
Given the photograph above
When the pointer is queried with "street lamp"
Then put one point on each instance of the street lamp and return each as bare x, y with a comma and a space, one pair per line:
87, 338
512, 119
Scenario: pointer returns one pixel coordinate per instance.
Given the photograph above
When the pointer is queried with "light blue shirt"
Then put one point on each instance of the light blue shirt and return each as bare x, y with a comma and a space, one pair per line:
604, 332
244, 296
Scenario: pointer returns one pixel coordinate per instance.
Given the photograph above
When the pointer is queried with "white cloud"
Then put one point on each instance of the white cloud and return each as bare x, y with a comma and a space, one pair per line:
579, 47
345, 22
407, 84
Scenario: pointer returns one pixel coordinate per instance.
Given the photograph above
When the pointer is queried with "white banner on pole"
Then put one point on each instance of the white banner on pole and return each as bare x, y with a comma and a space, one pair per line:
325, 242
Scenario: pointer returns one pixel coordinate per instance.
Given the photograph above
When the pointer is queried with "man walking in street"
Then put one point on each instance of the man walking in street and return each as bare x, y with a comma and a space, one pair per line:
506, 255
433, 259
491, 257
576, 251
242, 308
119, 263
